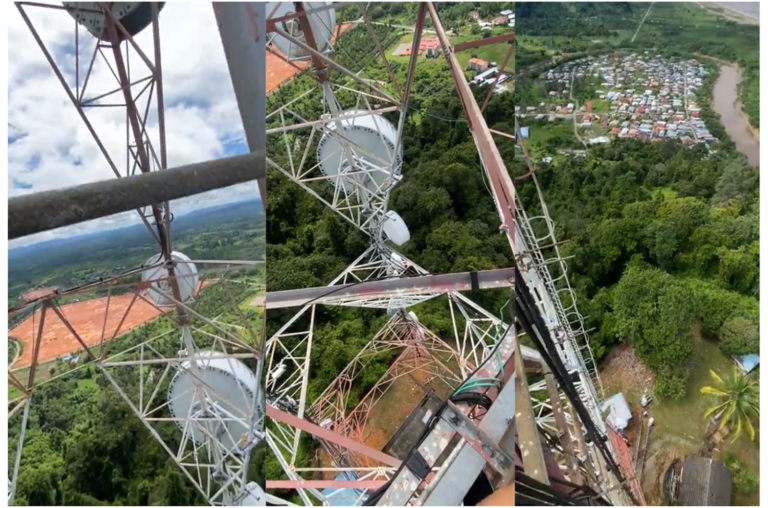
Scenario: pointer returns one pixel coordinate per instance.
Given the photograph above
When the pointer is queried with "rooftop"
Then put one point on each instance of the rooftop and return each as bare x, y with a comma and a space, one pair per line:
705, 482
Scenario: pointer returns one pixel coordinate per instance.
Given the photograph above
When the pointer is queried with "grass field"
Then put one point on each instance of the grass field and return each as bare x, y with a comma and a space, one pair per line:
247, 302
599, 106
540, 134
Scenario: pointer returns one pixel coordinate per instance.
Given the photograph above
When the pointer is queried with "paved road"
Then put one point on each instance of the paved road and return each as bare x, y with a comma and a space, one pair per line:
575, 108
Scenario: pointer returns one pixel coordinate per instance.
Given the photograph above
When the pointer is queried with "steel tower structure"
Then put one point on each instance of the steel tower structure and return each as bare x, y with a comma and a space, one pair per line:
565, 447
202, 377
359, 155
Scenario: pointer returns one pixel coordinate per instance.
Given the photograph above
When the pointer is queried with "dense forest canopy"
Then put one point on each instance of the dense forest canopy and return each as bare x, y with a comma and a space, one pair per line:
661, 236
452, 14
576, 20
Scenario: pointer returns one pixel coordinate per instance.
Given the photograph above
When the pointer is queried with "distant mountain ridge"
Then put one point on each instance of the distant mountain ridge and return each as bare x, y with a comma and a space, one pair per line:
178, 221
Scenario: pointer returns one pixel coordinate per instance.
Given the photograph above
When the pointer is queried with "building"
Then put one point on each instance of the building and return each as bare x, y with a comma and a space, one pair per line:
501, 20
486, 76
424, 45
705, 482
433, 50
747, 363
617, 411
477, 64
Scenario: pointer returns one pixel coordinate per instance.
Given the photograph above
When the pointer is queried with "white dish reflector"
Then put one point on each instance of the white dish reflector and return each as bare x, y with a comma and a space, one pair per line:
322, 23
229, 388
186, 275
395, 229
134, 16
370, 139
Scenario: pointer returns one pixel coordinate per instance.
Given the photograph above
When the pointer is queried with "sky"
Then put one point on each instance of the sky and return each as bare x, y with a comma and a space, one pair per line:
50, 146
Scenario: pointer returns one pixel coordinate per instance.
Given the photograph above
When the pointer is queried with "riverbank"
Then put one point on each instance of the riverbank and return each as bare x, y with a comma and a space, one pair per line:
730, 13
727, 104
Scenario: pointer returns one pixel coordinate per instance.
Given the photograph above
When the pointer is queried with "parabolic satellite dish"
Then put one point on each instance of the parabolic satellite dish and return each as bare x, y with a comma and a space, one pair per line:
395, 229
186, 275
134, 16
322, 22
253, 496
230, 388
371, 139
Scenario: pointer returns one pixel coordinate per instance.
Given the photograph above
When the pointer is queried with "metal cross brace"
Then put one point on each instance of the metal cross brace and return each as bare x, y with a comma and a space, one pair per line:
494, 455
449, 485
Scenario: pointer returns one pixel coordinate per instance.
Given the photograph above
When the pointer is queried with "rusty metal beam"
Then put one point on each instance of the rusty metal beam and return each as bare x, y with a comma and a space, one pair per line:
44, 211
484, 42
326, 484
500, 180
328, 435
487, 279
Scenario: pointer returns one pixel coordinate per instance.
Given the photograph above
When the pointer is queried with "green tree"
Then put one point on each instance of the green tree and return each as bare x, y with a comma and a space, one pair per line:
744, 480
738, 181
737, 401
739, 335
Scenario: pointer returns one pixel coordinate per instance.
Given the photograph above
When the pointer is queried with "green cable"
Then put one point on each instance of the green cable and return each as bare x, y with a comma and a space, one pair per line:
488, 381
478, 385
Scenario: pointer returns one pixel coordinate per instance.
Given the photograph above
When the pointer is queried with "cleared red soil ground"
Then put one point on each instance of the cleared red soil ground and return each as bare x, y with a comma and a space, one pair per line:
37, 293
87, 319
279, 71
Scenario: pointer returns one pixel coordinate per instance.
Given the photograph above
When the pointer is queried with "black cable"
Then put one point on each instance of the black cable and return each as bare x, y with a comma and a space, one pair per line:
479, 399
529, 317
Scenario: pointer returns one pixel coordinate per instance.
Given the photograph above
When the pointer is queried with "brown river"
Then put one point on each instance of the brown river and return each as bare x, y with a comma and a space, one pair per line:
726, 103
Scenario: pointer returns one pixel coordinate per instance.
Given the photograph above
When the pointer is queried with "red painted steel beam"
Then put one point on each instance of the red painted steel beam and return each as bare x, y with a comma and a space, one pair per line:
309, 37
501, 182
492, 88
326, 484
445, 283
328, 435
484, 42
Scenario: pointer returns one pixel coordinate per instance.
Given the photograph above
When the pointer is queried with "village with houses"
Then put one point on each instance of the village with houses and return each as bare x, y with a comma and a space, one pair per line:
639, 96
484, 72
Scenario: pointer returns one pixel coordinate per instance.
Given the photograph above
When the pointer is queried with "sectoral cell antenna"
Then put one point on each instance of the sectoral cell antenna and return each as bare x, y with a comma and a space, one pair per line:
355, 146
208, 369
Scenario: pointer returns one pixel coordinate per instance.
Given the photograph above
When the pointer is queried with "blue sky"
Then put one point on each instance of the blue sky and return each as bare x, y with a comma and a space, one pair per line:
49, 145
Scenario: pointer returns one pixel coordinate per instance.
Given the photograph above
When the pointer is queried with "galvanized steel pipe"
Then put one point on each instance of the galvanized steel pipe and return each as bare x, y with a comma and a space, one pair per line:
48, 210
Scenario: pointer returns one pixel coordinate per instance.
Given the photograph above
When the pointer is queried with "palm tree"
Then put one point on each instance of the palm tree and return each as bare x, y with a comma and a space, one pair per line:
738, 399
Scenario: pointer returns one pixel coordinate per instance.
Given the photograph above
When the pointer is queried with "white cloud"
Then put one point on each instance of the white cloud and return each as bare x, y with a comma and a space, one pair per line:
49, 144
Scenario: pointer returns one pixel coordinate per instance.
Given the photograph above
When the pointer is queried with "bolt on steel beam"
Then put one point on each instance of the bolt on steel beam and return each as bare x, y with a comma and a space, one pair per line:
48, 210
